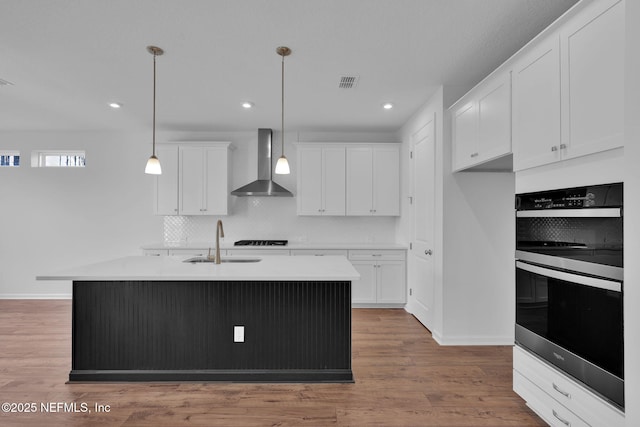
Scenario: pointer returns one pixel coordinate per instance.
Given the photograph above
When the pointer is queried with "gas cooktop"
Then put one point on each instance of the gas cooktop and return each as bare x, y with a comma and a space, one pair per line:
261, 243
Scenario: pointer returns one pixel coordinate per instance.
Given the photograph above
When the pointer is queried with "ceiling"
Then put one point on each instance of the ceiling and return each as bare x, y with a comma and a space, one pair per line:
67, 59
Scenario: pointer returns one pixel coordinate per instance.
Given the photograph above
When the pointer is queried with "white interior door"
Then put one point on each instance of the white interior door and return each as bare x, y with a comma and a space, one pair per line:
421, 265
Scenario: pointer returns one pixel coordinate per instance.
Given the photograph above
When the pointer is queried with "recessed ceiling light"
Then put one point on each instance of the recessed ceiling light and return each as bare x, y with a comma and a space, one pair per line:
115, 105
387, 106
247, 105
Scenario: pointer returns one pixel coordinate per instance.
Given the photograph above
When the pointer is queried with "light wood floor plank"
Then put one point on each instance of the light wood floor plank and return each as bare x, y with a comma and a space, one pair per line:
403, 378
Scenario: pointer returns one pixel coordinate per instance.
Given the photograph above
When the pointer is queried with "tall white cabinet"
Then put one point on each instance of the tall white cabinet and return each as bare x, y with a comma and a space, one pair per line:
194, 179
536, 105
568, 89
373, 180
354, 179
321, 180
592, 74
166, 184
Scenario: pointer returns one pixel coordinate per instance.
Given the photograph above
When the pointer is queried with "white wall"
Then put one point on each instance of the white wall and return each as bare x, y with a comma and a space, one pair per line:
479, 244
58, 218
632, 216
53, 218
473, 243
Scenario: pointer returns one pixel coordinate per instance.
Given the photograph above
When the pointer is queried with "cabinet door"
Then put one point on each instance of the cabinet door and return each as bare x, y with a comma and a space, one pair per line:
494, 118
593, 79
191, 181
166, 185
386, 181
333, 181
359, 181
310, 181
465, 135
536, 105
216, 193
364, 290
391, 282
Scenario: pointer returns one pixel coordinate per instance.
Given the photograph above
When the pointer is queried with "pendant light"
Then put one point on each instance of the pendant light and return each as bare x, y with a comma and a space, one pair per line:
282, 167
153, 164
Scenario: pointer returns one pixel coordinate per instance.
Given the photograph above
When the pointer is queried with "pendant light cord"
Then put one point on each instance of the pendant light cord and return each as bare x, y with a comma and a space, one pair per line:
282, 104
154, 103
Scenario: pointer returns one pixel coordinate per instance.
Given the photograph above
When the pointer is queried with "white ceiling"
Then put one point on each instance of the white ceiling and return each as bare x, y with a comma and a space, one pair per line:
67, 59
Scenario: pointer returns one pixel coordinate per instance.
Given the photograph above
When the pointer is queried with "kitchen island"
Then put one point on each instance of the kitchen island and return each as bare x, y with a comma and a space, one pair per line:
162, 319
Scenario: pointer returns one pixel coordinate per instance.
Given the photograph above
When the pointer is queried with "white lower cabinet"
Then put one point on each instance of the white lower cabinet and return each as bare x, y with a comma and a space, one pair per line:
382, 277
382, 281
319, 252
558, 399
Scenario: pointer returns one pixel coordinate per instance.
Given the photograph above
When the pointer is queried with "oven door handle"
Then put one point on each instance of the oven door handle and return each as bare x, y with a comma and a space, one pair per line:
572, 213
609, 285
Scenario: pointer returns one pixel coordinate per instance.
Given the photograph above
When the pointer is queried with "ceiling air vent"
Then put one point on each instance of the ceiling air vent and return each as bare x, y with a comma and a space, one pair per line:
5, 83
348, 82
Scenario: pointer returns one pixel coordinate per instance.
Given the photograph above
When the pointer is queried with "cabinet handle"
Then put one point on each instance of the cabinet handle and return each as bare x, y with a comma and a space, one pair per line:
562, 392
474, 155
562, 420
563, 146
554, 148
428, 252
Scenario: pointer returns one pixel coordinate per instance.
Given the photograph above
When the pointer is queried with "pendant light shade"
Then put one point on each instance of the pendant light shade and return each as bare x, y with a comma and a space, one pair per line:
153, 164
282, 167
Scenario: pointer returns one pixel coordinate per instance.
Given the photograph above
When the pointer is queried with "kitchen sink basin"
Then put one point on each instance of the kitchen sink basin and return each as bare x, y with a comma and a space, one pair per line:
198, 260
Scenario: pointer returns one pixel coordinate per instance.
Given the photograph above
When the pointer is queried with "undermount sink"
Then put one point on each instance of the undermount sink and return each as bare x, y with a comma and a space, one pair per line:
212, 260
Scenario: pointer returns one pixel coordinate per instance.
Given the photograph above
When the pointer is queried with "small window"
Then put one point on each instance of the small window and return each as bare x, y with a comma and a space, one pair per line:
9, 158
60, 159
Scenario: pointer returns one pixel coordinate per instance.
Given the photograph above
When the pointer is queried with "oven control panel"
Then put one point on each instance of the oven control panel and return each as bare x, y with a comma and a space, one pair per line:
595, 196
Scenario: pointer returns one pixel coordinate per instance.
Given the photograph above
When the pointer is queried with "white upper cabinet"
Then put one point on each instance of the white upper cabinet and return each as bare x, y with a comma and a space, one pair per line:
481, 123
536, 105
373, 180
166, 185
194, 179
203, 180
321, 180
568, 89
592, 46
465, 135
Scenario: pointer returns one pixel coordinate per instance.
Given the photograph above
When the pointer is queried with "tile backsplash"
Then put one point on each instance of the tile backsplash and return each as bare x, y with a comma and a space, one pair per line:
275, 218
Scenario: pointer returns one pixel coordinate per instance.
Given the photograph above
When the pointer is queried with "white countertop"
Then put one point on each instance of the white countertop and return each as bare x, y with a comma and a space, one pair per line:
302, 268
289, 246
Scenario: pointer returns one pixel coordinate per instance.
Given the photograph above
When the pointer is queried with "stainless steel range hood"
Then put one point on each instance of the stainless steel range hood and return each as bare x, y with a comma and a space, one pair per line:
264, 185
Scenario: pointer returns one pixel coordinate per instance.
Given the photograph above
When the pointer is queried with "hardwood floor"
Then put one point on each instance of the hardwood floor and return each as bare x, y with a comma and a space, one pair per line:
402, 378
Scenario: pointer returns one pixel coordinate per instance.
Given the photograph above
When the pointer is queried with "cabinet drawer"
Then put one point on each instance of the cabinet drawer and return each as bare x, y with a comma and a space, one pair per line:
544, 405
190, 252
565, 390
383, 254
258, 252
319, 252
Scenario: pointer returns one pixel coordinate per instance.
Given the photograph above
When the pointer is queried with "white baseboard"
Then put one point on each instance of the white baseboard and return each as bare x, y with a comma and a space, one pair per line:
474, 340
35, 296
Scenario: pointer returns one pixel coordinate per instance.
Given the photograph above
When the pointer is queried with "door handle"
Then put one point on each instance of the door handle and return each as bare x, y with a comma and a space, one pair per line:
428, 252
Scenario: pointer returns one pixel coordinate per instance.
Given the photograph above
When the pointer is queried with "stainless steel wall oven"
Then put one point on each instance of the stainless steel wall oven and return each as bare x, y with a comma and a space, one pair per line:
569, 283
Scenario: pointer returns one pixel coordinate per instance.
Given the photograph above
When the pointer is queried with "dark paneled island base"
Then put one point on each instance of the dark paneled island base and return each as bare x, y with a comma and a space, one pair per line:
294, 331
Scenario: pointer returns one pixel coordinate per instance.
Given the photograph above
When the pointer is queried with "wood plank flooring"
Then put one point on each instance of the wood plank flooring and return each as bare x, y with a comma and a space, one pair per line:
403, 378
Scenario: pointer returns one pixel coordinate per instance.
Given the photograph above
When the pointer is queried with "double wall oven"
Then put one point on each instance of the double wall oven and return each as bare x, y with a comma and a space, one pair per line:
569, 283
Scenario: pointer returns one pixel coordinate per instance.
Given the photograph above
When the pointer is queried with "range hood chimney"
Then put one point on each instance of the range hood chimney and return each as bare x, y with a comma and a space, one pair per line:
264, 185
